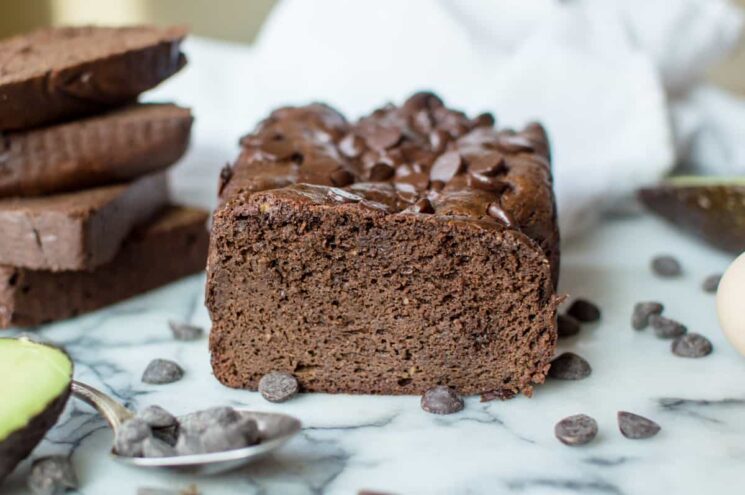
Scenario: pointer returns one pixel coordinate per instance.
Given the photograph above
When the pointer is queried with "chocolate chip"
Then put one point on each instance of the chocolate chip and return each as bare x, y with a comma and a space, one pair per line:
666, 328
438, 140
567, 326
666, 266
155, 447
437, 185
569, 366
501, 394
162, 371
236, 436
381, 172
486, 183
642, 312
352, 146
711, 283
423, 206
52, 475
441, 400
576, 430
156, 417
185, 332
514, 144
692, 345
278, 146
226, 173
412, 183
381, 138
278, 386
341, 178
447, 166
485, 119
584, 311
130, 437
496, 211
636, 427
488, 164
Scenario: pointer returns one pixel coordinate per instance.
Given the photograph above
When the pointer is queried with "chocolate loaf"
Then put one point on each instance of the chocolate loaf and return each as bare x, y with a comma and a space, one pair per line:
60, 73
115, 147
172, 246
413, 248
77, 230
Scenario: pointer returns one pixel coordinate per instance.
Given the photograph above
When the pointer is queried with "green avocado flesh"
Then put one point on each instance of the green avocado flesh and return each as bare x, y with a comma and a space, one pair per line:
35, 381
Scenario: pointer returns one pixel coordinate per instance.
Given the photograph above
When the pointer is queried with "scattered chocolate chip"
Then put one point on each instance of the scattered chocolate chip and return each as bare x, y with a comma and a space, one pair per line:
52, 475
157, 417
569, 366
584, 311
666, 328
692, 345
666, 266
642, 312
501, 394
441, 400
155, 447
423, 205
278, 386
711, 283
162, 371
381, 172
576, 430
130, 437
496, 211
567, 326
341, 177
636, 427
447, 166
185, 331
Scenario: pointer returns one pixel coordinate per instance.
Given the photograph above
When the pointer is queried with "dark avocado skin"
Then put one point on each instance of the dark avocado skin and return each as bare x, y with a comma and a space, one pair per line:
713, 213
19, 444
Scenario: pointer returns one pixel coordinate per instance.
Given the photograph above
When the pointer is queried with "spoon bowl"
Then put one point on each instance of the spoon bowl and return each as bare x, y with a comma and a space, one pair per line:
274, 431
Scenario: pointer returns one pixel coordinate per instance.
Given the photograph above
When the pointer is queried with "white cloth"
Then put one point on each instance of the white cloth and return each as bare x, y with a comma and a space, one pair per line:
599, 73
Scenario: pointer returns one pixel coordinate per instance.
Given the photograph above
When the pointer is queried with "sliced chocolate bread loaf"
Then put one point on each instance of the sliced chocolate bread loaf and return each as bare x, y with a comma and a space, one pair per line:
60, 73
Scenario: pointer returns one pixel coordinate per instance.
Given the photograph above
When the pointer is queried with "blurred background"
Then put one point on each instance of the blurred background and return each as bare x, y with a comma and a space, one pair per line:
231, 20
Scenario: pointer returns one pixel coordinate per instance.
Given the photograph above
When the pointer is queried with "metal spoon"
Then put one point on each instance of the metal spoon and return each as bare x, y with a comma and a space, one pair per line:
274, 430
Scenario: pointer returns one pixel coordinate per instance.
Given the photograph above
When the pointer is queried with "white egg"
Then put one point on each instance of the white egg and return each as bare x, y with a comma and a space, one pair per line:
731, 304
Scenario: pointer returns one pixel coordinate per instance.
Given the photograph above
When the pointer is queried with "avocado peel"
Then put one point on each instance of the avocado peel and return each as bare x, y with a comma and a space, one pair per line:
711, 209
35, 384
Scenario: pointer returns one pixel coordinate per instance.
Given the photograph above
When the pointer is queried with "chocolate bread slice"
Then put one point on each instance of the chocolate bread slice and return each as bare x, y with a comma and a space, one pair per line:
77, 230
115, 147
60, 73
416, 247
170, 247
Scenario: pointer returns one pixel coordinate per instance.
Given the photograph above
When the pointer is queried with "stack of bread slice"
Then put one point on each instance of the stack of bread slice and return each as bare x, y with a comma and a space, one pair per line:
85, 214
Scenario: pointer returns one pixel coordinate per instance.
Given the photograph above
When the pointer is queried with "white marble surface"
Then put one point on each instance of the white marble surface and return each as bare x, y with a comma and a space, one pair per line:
389, 444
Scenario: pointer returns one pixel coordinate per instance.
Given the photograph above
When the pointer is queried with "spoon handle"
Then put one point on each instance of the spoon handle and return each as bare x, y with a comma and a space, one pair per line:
113, 412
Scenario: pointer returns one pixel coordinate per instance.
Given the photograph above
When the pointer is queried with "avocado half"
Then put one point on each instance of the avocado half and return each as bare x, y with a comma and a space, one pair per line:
710, 208
35, 382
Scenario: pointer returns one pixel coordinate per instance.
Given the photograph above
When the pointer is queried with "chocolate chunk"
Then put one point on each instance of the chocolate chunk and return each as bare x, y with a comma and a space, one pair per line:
52, 475
341, 178
162, 371
381, 172
584, 311
567, 326
666, 328
496, 211
576, 430
514, 144
636, 427
278, 386
447, 166
441, 400
711, 283
423, 205
184, 331
666, 266
130, 437
156, 417
569, 366
692, 345
642, 312
155, 447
